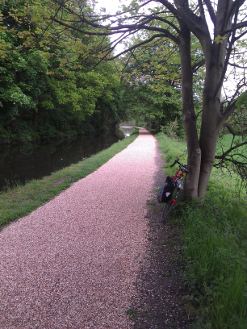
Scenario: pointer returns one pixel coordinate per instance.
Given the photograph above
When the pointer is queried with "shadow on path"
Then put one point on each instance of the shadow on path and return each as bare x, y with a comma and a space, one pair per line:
160, 301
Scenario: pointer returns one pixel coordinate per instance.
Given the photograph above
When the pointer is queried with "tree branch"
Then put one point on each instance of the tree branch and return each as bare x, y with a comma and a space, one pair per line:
169, 6
228, 54
81, 17
138, 45
197, 65
202, 12
167, 22
80, 30
240, 36
197, 25
224, 154
232, 106
233, 131
211, 11
165, 32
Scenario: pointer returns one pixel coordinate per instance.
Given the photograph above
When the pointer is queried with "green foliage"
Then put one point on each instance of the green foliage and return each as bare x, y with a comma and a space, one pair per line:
242, 100
173, 130
48, 78
173, 150
215, 247
152, 82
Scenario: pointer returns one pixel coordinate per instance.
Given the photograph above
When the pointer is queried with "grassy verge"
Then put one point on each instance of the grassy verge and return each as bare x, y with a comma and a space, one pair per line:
215, 247
20, 201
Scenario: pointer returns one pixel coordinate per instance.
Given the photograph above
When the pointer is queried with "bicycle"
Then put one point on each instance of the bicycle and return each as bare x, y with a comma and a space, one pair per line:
177, 178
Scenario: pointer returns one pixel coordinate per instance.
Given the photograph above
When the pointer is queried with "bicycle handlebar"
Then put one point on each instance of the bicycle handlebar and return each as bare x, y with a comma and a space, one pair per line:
176, 161
183, 167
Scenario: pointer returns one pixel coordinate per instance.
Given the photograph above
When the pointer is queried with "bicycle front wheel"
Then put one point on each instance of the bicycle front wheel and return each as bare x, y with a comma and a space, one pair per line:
169, 206
166, 211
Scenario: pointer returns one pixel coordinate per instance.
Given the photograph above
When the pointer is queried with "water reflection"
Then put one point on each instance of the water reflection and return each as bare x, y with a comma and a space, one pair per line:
20, 164
127, 130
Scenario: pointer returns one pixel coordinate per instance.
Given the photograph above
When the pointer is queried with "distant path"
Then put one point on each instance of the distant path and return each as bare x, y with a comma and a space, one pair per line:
72, 262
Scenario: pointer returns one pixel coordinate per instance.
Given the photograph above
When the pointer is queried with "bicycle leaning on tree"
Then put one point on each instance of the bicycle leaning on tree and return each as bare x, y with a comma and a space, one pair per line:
170, 190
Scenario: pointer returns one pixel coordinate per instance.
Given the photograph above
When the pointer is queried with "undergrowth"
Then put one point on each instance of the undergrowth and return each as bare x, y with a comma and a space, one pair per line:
215, 246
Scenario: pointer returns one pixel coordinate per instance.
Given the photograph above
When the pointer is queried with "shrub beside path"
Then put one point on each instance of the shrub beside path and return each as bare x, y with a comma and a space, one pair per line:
74, 261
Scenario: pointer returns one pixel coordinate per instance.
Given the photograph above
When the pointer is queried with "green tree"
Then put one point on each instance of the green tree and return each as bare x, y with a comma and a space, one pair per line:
50, 82
186, 18
152, 79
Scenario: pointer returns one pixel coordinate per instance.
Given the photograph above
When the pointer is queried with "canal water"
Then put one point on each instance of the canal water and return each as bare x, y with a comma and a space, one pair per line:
22, 163
127, 130
19, 164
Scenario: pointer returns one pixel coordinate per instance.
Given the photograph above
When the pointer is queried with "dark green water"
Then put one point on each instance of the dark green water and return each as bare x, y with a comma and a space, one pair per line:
20, 164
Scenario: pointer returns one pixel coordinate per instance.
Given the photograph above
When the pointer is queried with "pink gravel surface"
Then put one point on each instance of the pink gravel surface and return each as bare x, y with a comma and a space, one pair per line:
72, 262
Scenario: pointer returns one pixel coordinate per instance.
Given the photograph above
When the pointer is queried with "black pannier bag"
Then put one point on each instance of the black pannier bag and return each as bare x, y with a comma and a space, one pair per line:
166, 190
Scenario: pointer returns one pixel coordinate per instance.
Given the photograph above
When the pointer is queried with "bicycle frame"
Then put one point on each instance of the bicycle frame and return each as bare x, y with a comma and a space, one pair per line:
178, 177
178, 184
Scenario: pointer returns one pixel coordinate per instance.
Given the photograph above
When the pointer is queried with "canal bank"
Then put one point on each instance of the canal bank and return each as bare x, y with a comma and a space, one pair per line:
19, 201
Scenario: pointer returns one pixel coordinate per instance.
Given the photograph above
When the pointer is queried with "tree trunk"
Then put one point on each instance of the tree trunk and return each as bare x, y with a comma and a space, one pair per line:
208, 141
212, 118
210, 129
189, 117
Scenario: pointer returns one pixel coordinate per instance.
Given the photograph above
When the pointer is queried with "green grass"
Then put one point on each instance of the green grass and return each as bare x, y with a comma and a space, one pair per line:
22, 200
172, 150
215, 247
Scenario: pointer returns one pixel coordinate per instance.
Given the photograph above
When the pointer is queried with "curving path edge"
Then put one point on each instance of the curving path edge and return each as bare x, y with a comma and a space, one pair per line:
72, 262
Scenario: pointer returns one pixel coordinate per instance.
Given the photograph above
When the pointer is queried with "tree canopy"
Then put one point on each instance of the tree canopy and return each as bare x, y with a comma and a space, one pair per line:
50, 84
220, 28
152, 80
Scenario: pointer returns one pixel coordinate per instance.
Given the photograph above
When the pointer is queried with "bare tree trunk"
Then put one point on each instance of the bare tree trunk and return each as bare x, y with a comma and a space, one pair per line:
189, 117
210, 129
208, 142
212, 118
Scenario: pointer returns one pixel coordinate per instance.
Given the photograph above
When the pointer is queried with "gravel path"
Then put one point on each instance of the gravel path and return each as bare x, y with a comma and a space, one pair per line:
72, 262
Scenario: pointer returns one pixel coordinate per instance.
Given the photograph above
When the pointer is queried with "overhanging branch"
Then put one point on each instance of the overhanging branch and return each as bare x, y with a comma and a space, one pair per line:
233, 131
211, 11
196, 66
138, 45
226, 153
80, 30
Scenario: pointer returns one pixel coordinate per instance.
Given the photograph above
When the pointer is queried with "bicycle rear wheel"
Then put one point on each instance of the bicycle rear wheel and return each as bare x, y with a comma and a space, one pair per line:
169, 205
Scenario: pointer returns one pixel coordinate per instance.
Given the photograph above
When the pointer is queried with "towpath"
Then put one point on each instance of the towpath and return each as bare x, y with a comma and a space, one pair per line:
73, 263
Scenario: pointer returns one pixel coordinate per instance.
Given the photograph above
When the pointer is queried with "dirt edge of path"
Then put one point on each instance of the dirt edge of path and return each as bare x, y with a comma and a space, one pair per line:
160, 302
